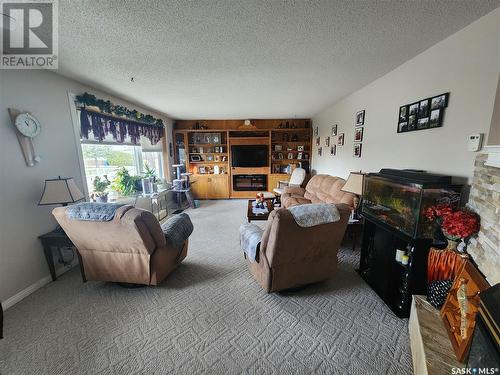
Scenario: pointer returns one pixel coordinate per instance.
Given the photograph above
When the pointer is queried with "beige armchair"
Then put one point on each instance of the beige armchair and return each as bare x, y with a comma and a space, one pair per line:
290, 256
131, 248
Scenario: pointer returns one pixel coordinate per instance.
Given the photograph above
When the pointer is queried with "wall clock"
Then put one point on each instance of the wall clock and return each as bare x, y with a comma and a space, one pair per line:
27, 127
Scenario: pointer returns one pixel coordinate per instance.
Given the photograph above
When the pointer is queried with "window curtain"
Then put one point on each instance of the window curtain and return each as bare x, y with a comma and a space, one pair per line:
100, 125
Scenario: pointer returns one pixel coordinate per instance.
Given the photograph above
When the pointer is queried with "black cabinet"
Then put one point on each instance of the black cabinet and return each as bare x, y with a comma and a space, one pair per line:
391, 280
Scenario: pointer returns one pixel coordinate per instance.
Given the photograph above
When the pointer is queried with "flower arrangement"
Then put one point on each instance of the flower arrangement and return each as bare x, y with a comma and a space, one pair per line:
455, 224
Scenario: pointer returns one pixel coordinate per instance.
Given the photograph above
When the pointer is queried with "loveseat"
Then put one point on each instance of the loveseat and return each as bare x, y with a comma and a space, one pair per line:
322, 188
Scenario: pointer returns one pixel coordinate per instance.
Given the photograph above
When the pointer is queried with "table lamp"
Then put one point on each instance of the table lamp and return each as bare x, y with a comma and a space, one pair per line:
354, 185
60, 191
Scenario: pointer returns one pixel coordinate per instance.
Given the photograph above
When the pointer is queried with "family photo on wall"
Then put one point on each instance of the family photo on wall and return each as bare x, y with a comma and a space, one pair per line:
424, 114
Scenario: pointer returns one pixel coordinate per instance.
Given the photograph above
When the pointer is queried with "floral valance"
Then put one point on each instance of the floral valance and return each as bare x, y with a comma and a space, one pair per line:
101, 124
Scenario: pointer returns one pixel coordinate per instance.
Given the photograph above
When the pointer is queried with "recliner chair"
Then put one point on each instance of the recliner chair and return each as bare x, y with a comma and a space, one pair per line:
290, 256
130, 248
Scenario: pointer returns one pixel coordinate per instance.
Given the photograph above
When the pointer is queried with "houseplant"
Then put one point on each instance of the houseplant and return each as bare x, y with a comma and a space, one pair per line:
124, 183
101, 188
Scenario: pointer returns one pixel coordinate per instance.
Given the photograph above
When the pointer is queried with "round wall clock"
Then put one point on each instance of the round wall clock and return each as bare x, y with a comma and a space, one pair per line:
28, 125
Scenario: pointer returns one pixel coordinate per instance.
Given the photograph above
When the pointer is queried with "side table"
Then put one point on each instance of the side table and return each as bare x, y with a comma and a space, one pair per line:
58, 238
354, 228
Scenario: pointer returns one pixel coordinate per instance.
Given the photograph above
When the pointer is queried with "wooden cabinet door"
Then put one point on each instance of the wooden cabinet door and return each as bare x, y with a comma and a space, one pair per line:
218, 187
274, 179
199, 186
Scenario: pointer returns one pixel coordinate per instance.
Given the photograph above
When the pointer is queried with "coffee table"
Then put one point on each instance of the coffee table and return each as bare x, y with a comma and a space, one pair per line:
251, 216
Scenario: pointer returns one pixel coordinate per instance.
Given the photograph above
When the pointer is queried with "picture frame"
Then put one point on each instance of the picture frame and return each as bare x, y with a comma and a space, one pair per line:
327, 141
333, 150
320, 151
412, 122
427, 113
215, 138
436, 118
440, 101
423, 108
194, 158
300, 148
423, 123
316, 131
340, 140
318, 141
358, 134
403, 113
360, 118
299, 156
357, 150
334, 130
403, 127
413, 109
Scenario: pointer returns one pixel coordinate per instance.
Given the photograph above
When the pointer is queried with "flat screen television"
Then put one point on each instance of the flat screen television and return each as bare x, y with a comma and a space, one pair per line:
249, 156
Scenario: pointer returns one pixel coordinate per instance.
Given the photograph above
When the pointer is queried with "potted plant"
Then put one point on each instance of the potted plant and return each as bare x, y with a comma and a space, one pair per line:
124, 183
101, 189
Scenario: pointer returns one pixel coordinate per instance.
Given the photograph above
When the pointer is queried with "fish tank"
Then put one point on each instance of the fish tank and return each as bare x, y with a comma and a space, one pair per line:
400, 198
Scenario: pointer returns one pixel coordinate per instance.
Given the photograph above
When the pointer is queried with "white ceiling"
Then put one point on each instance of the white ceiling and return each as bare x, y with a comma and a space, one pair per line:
247, 58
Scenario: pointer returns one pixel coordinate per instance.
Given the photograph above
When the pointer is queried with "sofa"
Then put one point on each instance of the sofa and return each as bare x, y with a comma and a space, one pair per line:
321, 188
291, 256
131, 248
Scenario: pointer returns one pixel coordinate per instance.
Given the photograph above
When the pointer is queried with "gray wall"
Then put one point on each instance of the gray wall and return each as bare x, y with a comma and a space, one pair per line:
45, 95
465, 64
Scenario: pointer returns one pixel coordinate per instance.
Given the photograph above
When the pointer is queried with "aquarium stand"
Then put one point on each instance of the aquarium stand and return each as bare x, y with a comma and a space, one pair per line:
393, 281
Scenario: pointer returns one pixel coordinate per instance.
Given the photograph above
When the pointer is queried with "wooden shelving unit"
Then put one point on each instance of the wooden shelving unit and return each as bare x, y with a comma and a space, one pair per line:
293, 142
289, 134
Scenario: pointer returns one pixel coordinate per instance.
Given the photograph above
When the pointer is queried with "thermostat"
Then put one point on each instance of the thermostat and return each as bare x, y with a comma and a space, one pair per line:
475, 142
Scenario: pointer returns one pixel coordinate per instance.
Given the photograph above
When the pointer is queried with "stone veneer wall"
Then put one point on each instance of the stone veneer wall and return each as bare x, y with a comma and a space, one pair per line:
485, 200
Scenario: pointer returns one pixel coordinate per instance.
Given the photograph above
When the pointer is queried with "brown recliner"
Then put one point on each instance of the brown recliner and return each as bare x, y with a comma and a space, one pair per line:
131, 248
290, 256
322, 188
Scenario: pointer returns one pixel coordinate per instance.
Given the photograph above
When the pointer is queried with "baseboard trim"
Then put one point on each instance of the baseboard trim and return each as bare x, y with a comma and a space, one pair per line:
18, 297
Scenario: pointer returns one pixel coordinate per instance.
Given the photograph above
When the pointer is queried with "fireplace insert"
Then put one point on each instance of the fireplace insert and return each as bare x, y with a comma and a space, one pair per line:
249, 182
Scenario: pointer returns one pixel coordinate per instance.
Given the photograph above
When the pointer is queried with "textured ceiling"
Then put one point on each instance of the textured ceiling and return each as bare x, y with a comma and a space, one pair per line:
248, 59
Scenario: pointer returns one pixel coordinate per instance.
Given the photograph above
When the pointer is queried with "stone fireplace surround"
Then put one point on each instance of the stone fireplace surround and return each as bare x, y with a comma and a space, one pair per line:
485, 201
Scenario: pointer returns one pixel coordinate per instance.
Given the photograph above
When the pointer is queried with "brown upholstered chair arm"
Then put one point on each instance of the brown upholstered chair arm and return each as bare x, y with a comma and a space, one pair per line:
294, 190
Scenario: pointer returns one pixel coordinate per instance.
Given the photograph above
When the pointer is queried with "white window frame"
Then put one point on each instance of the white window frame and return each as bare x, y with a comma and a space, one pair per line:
78, 142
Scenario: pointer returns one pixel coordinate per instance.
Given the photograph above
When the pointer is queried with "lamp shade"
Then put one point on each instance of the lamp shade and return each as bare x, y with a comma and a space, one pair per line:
354, 183
60, 191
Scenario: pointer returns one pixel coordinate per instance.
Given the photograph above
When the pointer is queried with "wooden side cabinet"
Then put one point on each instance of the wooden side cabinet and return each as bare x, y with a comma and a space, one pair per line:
274, 179
210, 186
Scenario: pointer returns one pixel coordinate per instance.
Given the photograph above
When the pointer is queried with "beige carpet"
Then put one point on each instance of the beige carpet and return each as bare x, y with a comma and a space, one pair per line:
208, 317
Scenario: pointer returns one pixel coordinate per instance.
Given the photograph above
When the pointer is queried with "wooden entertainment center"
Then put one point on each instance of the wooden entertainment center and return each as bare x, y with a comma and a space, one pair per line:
204, 147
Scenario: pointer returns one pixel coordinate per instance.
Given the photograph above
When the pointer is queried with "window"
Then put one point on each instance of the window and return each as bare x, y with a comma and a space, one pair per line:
106, 159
